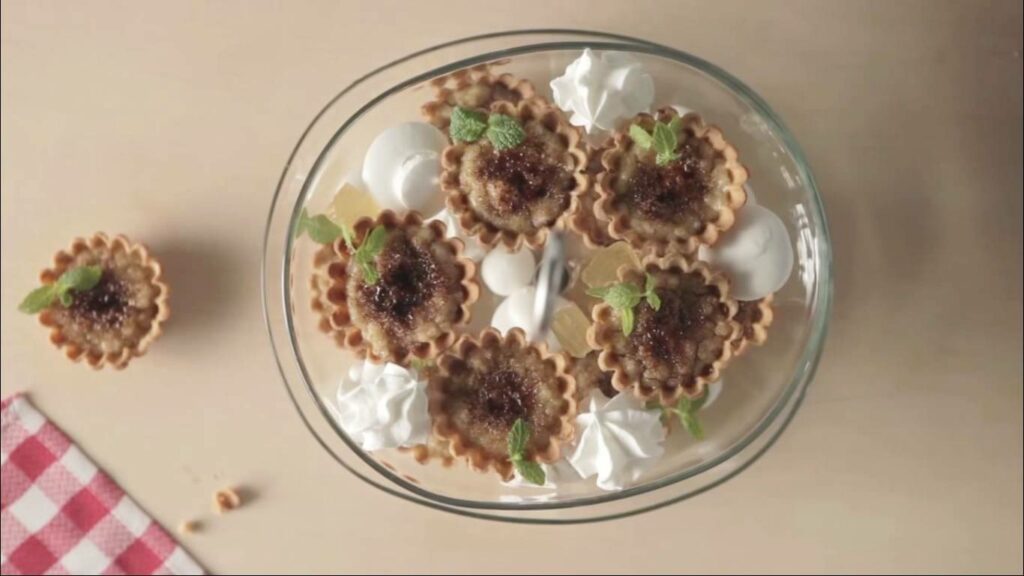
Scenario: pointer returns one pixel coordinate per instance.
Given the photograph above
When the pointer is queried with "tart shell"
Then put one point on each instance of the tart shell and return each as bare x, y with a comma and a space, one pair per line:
617, 221
458, 200
64, 259
606, 331
464, 448
583, 219
330, 297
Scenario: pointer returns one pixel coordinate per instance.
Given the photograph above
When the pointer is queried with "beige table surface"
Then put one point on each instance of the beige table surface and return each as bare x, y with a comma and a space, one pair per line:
171, 121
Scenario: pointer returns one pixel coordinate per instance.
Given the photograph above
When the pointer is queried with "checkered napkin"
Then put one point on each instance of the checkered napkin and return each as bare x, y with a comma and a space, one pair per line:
59, 514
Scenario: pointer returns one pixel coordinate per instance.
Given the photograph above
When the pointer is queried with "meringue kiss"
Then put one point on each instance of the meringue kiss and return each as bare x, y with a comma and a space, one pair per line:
601, 88
386, 408
402, 166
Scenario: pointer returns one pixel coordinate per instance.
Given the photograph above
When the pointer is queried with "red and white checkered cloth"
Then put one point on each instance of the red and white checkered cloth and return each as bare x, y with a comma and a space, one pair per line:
59, 514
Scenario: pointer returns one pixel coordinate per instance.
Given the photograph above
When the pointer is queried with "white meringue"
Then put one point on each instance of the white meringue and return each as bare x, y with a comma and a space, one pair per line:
504, 272
600, 88
402, 167
516, 311
383, 406
756, 253
619, 439
474, 250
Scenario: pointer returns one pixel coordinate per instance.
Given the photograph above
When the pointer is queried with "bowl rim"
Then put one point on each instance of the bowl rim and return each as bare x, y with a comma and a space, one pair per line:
789, 400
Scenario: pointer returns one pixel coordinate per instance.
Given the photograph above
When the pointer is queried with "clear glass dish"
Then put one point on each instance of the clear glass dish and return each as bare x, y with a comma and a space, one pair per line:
763, 389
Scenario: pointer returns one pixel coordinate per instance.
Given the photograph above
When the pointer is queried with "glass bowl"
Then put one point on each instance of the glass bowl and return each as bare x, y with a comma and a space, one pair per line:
763, 388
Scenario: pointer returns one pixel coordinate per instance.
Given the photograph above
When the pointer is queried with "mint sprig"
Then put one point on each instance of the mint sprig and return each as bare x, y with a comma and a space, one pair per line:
686, 410
663, 140
319, 228
504, 131
624, 297
77, 279
518, 438
367, 251
641, 137
468, 125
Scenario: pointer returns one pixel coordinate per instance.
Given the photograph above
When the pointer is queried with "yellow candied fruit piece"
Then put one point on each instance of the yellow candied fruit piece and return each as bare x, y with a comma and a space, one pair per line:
604, 264
350, 204
570, 326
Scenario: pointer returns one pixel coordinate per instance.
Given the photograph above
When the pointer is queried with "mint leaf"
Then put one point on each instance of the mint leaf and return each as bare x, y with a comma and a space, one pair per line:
640, 137
370, 273
653, 300
374, 242
504, 131
665, 142
349, 237
692, 424
66, 299
79, 279
648, 283
518, 437
663, 159
687, 409
628, 320
675, 124
322, 230
696, 405
685, 404
467, 125
623, 297
368, 250
319, 228
530, 471
38, 299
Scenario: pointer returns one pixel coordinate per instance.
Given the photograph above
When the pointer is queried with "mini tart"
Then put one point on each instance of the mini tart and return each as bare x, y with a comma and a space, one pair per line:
425, 291
583, 220
678, 349
118, 318
675, 207
484, 385
754, 318
514, 196
476, 87
591, 379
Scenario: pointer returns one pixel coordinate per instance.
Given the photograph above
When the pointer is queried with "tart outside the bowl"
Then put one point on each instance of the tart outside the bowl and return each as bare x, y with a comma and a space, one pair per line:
98, 250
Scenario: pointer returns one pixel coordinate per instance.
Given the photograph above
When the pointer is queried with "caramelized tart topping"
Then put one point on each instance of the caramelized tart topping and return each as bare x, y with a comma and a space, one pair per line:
106, 303
668, 192
524, 175
408, 278
502, 397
